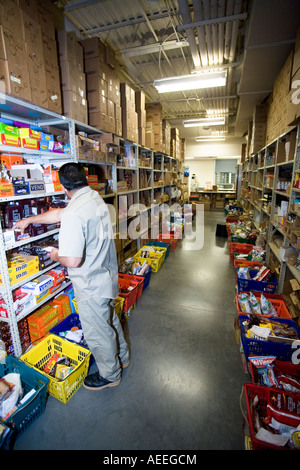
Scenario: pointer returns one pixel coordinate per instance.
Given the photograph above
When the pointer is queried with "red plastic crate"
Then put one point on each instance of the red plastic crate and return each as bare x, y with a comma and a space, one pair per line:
244, 248
168, 239
138, 279
131, 296
279, 305
268, 396
240, 263
280, 367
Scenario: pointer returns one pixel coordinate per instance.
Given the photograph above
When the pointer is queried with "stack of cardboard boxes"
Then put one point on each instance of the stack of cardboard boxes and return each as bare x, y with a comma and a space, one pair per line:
140, 107
293, 115
73, 79
181, 156
166, 137
175, 143
258, 137
278, 103
154, 126
102, 86
129, 114
28, 53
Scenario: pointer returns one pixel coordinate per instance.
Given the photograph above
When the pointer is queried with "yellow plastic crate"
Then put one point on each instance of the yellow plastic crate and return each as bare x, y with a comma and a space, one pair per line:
38, 357
155, 259
160, 249
118, 304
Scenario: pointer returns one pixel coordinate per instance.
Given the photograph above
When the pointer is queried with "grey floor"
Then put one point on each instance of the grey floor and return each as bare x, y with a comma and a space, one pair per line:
182, 388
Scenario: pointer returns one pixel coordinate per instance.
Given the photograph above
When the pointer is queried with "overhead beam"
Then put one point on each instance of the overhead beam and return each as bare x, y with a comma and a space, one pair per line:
224, 19
82, 4
155, 47
122, 24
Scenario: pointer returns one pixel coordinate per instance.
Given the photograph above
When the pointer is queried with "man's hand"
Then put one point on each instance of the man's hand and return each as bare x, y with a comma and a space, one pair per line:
22, 225
53, 254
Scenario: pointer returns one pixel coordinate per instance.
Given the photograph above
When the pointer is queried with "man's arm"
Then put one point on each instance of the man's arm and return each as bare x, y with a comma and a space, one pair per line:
67, 261
50, 217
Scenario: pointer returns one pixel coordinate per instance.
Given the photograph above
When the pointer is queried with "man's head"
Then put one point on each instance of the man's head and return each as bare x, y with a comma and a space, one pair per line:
72, 176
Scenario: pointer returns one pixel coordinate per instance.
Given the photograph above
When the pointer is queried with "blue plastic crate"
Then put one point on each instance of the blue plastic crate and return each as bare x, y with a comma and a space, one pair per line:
26, 414
147, 277
162, 244
254, 347
232, 207
248, 285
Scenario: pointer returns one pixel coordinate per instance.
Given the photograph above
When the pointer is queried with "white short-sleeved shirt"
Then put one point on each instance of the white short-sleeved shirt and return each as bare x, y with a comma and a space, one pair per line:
86, 232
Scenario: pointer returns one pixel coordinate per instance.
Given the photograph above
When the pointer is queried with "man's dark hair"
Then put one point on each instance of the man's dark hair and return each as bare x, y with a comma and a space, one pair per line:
72, 176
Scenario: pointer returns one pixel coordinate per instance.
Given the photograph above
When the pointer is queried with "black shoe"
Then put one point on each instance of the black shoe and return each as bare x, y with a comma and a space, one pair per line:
96, 382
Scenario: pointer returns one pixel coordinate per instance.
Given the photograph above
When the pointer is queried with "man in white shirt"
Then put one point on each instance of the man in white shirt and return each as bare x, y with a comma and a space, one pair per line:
87, 249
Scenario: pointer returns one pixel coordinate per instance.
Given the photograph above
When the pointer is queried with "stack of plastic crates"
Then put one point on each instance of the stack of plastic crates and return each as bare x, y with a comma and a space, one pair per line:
78, 356
31, 379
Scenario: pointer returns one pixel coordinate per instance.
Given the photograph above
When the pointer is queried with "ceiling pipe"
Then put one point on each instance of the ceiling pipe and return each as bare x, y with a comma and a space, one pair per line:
186, 18
198, 16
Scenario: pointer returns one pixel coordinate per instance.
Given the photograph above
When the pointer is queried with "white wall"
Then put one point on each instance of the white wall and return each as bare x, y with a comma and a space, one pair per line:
232, 148
201, 158
204, 171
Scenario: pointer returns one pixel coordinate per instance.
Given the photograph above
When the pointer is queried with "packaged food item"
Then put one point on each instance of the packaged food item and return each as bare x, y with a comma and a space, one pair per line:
243, 273
255, 304
265, 368
244, 303
49, 367
288, 383
62, 371
267, 307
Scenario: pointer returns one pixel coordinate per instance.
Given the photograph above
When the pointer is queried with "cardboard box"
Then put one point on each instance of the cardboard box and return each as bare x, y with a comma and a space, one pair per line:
72, 79
295, 239
15, 80
32, 34
70, 50
35, 179
75, 106
93, 48
38, 88
54, 100
11, 17
12, 48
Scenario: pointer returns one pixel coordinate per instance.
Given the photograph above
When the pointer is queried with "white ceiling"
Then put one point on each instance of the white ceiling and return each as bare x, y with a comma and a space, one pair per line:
152, 39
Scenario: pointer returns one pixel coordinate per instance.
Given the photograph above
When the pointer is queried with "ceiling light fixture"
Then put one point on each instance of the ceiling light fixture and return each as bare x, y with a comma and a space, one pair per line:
211, 121
190, 82
209, 139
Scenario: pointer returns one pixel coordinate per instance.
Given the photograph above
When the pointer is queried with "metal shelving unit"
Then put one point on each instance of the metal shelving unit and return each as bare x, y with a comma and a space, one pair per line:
19, 110
269, 154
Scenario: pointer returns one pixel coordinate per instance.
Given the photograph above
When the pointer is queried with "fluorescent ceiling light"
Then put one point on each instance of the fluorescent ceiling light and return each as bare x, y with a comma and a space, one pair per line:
209, 139
190, 82
211, 121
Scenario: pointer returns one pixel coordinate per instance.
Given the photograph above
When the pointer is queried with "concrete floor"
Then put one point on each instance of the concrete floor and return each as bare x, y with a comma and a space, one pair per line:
182, 388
